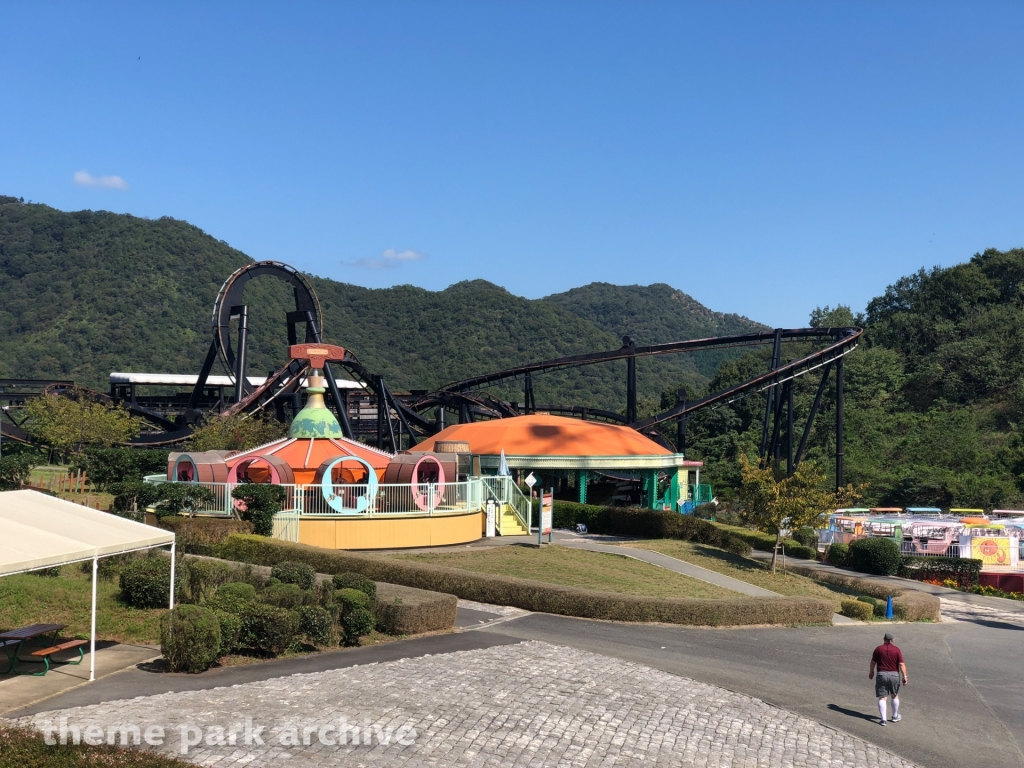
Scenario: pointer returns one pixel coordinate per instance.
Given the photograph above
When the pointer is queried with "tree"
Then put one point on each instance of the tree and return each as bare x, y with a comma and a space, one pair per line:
772, 502
238, 432
70, 422
14, 471
262, 501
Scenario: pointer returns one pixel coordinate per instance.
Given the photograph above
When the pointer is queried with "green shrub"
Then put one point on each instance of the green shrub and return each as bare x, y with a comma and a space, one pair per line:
349, 599
877, 556
132, 497
351, 580
290, 572
289, 596
230, 631
357, 623
272, 582
146, 582
201, 578
267, 629
533, 595
15, 471
807, 537
964, 571
261, 502
837, 554
107, 466
855, 609
183, 499
233, 598
316, 623
199, 535
878, 606
190, 638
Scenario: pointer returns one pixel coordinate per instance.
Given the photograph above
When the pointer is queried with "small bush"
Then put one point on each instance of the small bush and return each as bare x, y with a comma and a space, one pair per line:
132, 497
837, 554
855, 609
230, 631
183, 499
878, 606
357, 623
316, 624
267, 629
351, 580
964, 571
878, 556
350, 599
201, 578
146, 582
190, 638
261, 501
233, 598
765, 542
288, 596
808, 537
291, 572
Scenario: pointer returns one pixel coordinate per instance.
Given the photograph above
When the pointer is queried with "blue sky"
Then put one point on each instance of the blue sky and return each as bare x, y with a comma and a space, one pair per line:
766, 158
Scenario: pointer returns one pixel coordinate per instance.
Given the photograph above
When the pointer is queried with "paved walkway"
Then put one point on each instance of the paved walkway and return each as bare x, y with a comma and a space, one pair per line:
20, 691
529, 704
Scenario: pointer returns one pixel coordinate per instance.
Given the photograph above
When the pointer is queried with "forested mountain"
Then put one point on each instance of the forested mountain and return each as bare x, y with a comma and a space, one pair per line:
87, 293
934, 395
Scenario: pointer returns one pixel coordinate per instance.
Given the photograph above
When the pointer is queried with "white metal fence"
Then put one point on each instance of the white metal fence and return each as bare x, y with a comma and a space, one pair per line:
504, 489
286, 525
421, 499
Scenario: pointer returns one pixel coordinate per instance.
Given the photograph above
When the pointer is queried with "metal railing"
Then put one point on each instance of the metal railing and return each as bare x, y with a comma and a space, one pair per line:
938, 549
505, 490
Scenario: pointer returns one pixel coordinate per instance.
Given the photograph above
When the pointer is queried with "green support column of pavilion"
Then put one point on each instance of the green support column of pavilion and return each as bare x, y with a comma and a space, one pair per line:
582, 476
652, 489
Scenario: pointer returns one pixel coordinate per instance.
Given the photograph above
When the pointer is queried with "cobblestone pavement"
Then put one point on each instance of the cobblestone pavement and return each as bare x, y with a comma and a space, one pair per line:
530, 704
957, 610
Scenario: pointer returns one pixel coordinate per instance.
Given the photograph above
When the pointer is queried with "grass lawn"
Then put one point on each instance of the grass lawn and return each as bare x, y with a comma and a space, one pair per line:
743, 568
67, 599
576, 568
25, 748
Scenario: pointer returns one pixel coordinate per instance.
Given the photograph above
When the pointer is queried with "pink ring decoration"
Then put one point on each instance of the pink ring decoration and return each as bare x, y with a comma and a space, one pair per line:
420, 499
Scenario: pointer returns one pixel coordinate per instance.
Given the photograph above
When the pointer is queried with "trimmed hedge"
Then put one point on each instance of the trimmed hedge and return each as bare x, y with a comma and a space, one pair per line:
267, 629
765, 542
908, 604
876, 555
964, 571
233, 597
533, 595
645, 523
294, 573
855, 609
356, 581
407, 611
199, 535
316, 624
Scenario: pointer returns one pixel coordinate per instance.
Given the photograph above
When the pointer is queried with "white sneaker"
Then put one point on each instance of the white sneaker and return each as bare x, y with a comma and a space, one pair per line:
881, 722
896, 718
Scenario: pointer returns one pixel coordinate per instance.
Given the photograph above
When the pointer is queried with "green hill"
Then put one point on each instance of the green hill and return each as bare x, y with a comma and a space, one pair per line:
934, 395
87, 293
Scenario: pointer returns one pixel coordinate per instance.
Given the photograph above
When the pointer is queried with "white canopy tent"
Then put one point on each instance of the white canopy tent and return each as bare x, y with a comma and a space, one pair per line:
39, 531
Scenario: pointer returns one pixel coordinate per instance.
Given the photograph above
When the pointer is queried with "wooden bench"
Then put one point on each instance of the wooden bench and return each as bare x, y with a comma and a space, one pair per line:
46, 653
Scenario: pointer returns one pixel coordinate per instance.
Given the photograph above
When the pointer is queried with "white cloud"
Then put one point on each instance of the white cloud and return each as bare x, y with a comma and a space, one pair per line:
86, 179
389, 259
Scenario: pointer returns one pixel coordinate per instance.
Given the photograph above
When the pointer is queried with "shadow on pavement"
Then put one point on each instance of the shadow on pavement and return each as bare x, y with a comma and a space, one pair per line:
851, 713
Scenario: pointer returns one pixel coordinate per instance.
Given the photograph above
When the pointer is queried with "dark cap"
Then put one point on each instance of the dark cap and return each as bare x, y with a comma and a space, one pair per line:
888, 636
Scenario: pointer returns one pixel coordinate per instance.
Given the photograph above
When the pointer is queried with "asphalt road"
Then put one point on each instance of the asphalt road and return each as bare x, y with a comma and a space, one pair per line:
964, 706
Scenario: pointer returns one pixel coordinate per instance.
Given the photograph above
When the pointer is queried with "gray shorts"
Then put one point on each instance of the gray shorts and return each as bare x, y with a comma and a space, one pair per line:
887, 684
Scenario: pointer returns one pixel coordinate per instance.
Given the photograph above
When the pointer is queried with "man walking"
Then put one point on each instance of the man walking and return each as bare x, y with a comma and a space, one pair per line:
888, 661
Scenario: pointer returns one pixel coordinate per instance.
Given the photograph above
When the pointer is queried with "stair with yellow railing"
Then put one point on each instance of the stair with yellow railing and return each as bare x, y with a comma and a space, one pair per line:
510, 524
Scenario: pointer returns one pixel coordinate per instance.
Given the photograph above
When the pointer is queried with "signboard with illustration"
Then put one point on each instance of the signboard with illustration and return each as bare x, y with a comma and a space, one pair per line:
991, 550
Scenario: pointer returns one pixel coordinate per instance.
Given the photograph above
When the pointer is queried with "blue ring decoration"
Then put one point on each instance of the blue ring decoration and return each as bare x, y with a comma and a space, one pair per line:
195, 469
336, 502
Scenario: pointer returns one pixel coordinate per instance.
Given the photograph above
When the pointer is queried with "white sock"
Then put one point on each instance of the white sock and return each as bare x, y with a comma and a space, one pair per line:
881, 708
895, 705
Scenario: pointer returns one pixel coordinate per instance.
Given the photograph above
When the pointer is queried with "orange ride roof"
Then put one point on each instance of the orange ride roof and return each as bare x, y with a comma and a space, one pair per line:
543, 435
304, 455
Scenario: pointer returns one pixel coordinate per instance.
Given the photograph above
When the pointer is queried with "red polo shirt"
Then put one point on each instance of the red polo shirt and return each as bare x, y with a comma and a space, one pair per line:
887, 658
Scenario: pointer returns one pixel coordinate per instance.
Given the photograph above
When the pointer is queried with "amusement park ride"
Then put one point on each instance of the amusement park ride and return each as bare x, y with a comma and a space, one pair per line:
367, 408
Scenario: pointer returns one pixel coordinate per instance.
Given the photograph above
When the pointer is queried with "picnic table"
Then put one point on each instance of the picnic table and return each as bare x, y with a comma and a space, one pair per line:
14, 640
